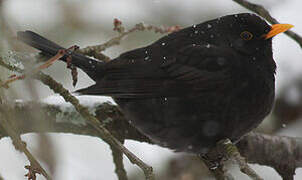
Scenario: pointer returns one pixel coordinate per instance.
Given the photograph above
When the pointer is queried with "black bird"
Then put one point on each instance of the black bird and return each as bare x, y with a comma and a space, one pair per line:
191, 88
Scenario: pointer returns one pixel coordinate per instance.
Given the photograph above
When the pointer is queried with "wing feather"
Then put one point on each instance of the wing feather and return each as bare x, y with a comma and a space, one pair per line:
192, 69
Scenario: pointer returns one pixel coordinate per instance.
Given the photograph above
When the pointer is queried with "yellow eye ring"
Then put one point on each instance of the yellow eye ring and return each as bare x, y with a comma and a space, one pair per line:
245, 35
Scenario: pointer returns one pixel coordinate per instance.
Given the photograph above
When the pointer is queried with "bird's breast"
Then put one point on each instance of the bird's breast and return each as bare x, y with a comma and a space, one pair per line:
195, 124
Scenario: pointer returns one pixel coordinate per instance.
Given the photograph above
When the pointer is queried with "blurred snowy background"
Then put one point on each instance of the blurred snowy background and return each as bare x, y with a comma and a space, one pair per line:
89, 22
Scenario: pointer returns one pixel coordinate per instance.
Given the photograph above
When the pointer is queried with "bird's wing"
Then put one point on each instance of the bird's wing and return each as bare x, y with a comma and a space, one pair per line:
202, 67
192, 69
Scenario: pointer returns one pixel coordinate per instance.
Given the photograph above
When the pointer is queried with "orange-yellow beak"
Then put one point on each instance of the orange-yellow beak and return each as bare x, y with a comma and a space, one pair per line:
277, 29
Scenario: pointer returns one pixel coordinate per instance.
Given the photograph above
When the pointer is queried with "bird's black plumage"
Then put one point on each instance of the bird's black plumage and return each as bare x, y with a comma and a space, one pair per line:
190, 88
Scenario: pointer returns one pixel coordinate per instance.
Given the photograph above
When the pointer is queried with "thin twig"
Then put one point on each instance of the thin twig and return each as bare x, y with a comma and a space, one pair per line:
216, 168
281, 153
92, 120
10, 67
21, 146
34, 71
92, 50
117, 156
230, 150
260, 10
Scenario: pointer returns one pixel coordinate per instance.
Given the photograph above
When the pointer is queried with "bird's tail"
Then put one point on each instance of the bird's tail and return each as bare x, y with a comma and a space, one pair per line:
92, 67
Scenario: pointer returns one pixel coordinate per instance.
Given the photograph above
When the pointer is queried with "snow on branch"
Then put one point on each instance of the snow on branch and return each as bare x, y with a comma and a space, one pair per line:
282, 153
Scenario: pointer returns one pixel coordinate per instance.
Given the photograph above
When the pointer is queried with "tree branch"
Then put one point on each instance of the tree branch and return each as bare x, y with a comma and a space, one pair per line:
104, 134
282, 153
95, 51
247, 146
119, 164
231, 151
95, 123
6, 121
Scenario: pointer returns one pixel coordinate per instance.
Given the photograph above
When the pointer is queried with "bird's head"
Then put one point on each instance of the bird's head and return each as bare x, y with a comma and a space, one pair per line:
247, 34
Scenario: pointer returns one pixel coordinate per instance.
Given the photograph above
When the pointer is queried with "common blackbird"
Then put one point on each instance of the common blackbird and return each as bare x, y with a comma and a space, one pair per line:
191, 88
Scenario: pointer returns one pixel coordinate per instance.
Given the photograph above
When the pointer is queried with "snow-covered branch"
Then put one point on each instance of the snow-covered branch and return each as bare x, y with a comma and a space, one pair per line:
282, 153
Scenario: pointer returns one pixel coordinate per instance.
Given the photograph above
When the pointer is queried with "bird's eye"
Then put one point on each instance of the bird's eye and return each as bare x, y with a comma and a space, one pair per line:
245, 35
